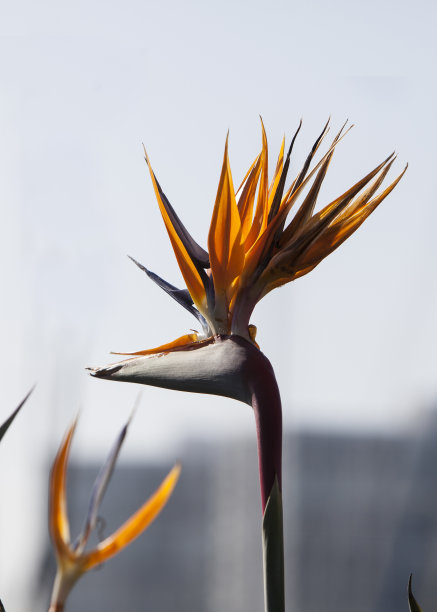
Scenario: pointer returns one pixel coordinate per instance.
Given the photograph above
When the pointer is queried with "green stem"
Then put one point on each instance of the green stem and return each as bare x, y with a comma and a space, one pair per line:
273, 552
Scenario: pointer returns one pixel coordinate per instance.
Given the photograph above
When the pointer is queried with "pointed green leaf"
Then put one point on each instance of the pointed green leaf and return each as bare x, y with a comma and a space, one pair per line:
273, 552
5, 426
414, 606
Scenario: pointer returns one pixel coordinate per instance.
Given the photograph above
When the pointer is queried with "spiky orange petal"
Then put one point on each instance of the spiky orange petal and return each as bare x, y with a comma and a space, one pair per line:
364, 196
336, 234
165, 348
58, 518
288, 256
277, 175
307, 207
243, 182
330, 211
189, 272
261, 212
225, 247
136, 524
246, 201
264, 241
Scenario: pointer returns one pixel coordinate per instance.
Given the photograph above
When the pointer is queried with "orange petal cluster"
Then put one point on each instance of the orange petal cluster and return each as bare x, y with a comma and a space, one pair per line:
253, 247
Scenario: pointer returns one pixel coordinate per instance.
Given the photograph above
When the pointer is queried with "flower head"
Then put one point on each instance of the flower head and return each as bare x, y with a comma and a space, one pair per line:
252, 245
72, 558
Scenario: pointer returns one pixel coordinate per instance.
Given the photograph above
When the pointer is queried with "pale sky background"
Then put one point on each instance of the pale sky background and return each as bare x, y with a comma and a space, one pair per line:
83, 84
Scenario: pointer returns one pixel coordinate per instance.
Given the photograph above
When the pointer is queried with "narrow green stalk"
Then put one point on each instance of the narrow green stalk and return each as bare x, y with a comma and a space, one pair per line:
273, 552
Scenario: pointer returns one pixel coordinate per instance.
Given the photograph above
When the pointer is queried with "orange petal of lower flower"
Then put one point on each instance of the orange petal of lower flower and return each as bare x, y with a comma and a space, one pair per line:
164, 348
58, 518
136, 524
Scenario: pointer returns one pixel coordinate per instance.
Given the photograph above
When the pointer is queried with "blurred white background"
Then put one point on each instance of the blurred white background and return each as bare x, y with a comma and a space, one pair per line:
82, 86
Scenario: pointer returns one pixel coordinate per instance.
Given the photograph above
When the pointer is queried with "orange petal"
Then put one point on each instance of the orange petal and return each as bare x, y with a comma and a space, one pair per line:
363, 198
226, 251
164, 348
261, 211
339, 231
136, 524
58, 518
300, 183
300, 177
321, 222
314, 228
338, 205
189, 272
254, 163
307, 207
324, 232
261, 247
277, 175
246, 201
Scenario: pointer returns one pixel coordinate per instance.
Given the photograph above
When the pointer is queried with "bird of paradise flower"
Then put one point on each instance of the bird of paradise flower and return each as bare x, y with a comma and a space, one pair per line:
73, 560
252, 249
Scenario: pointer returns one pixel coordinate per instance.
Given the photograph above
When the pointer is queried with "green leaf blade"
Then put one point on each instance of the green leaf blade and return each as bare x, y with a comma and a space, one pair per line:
5, 426
414, 606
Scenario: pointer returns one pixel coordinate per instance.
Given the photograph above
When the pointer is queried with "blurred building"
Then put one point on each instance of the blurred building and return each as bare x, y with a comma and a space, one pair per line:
360, 515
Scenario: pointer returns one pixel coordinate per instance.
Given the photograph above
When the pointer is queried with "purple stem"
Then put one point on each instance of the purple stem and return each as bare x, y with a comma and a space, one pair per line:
266, 404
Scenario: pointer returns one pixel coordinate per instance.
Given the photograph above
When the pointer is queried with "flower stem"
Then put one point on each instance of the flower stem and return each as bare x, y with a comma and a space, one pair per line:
273, 553
64, 581
266, 403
